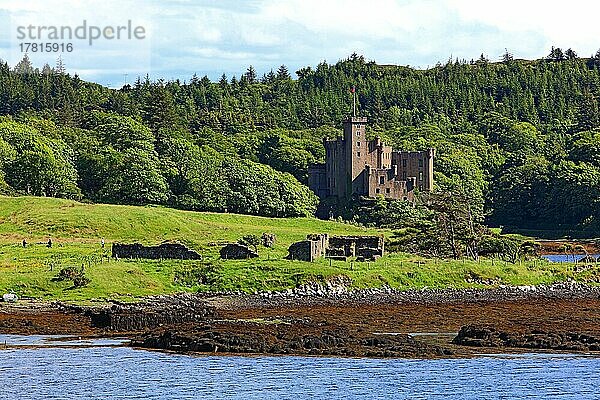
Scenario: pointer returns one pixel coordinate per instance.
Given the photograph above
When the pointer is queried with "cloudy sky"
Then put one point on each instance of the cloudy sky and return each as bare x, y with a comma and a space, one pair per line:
211, 37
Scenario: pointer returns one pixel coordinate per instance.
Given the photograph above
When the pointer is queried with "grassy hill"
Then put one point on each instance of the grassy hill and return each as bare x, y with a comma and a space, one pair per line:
77, 229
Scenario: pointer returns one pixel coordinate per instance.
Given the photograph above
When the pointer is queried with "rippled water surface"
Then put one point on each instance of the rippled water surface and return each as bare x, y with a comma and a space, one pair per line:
120, 372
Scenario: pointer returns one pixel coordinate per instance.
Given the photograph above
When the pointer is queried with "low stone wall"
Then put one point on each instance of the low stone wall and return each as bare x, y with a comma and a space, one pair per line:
161, 252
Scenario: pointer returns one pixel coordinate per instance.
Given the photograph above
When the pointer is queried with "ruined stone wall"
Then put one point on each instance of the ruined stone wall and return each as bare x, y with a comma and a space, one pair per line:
301, 251
308, 250
161, 252
338, 247
362, 247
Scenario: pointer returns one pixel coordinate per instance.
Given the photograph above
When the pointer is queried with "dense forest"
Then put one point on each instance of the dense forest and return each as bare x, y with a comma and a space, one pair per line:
519, 140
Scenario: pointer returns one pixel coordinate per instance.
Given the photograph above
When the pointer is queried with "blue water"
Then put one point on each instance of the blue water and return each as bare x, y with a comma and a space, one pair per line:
567, 257
125, 373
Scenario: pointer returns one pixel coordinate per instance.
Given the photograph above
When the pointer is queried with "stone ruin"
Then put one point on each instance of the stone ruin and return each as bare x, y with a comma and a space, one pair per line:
236, 251
364, 248
268, 239
308, 250
163, 251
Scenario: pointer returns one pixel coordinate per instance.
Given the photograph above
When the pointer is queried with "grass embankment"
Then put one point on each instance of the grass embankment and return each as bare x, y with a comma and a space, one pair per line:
76, 230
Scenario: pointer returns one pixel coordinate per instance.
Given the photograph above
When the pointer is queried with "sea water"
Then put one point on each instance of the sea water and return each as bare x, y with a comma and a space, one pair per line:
106, 371
567, 258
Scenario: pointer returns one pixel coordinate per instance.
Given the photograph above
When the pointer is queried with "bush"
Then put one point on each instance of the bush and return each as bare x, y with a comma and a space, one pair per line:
74, 274
250, 241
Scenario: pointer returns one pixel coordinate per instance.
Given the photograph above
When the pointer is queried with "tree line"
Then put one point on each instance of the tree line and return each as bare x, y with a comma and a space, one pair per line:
518, 139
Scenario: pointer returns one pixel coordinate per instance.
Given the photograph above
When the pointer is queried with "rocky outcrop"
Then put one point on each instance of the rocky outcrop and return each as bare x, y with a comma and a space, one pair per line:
489, 337
152, 313
163, 251
296, 338
236, 251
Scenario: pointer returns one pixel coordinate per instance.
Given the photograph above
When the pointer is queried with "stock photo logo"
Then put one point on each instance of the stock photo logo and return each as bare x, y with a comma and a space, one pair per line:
61, 38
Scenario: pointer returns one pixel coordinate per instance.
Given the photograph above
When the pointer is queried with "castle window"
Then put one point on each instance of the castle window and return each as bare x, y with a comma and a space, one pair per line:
404, 175
377, 190
381, 180
357, 144
387, 190
421, 187
420, 163
357, 133
404, 163
358, 154
420, 176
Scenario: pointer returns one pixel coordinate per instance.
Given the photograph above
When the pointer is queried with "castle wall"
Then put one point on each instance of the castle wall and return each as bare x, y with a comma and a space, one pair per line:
336, 167
317, 180
383, 182
417, 164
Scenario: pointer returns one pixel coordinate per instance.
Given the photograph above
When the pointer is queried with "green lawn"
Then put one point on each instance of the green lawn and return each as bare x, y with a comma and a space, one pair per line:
76, 230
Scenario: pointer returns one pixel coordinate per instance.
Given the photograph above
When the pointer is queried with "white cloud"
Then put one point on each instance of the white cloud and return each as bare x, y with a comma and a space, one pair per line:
563, 24
357, 18
209, 37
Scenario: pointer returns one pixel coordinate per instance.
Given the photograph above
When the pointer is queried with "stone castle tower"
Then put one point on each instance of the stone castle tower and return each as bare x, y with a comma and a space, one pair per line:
357, 166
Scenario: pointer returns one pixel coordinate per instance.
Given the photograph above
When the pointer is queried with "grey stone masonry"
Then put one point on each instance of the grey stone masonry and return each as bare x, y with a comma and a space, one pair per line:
160, 252
364, 248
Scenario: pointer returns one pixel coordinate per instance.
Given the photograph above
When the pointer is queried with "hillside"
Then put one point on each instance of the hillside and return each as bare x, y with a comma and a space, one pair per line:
77, 228
38, 218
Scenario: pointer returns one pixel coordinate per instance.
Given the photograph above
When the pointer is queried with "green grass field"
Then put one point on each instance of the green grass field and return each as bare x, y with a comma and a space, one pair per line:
77, 229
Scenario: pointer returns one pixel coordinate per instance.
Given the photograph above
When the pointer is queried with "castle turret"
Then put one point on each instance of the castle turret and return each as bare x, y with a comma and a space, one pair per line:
356, 153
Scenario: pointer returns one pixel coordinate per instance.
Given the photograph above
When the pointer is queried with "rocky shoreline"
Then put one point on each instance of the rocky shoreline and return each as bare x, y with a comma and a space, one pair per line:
329, 319
337, 291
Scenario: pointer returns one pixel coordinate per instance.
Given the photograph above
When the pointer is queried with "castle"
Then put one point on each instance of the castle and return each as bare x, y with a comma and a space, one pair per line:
355, 166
